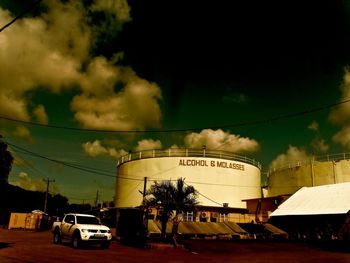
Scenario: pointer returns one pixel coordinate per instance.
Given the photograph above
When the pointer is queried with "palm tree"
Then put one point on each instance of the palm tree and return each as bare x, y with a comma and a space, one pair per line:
170, 197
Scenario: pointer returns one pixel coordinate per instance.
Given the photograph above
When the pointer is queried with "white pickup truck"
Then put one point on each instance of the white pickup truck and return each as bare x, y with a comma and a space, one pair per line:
80, 229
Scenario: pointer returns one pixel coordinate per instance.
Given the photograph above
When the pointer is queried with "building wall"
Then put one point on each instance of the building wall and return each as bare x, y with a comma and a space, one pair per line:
315, 173
223, 181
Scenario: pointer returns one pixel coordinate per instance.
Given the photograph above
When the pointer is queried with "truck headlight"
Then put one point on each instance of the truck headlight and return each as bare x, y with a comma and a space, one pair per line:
84, 230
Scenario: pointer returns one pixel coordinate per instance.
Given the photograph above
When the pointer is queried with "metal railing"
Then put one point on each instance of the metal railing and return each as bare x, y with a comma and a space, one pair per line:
184, 152
323, 158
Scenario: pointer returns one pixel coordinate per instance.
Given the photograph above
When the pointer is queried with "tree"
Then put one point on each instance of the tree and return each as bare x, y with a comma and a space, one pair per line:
58, 204
6, 160
170, 197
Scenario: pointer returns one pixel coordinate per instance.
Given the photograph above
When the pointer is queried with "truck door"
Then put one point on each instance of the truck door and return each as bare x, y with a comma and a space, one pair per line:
67, 225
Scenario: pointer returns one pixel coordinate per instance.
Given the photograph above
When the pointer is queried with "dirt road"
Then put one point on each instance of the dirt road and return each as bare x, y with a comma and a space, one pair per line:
23, 246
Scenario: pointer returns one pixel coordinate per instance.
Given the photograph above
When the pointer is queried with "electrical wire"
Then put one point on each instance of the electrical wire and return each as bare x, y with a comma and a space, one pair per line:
24, 12
234, 125
29, 166
78, 167
86, 169
229, 185
130, 192
206, 197
81, 199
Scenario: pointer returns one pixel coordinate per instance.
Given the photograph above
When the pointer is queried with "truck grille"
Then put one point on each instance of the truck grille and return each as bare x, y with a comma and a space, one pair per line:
97, 238
97, 231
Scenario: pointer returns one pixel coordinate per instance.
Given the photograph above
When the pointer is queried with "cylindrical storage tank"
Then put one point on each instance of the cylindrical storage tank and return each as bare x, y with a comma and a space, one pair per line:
219, 177
331, 169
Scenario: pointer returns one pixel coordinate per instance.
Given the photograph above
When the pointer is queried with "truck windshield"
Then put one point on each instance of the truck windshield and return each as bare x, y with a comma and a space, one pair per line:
87, 220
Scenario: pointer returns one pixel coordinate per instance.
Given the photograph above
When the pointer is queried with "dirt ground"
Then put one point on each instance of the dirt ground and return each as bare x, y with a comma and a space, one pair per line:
24, 246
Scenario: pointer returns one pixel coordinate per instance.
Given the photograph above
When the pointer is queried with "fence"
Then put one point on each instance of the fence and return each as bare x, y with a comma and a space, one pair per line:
181, 152
323, 158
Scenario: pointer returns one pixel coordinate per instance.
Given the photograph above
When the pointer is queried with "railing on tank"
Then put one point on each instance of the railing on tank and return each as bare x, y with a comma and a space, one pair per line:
323, 158
181, 152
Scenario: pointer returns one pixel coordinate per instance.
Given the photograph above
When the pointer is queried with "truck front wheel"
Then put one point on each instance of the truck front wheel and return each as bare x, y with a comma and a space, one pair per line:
76, 241
57, 239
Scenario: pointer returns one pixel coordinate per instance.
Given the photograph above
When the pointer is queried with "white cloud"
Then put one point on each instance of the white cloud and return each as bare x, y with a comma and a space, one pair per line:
40, 114
95, 148
119, 8
12, 106
19, 131
314, 126
18, 161
148, 144
22, 132
220, 140
42, 51
134, 107
293, 156
341, 114
51, 51
319, 145
343, 137
116, 153
25, 181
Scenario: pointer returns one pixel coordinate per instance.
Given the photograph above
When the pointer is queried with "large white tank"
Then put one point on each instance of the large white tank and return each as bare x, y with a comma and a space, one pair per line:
219, 177
330, 169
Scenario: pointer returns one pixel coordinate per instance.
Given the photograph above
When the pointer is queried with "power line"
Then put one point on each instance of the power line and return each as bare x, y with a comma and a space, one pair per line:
127, 178
131, 192
234, 125
87, 169
29, 165
78, 167
71, 128
209, 199
228, 185
75, 166
206, 196
24, 12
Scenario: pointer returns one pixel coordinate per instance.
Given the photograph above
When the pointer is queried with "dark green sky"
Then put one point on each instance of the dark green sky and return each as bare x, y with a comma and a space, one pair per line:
215, 64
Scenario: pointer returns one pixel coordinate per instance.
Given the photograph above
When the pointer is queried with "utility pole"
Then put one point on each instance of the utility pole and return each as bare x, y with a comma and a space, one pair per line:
96, 200
145, 209
48, 181
144, 190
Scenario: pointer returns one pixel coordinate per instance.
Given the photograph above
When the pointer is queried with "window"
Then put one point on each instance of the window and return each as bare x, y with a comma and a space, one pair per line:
69, 219
88, 220
223, 217
188, 217
203, 217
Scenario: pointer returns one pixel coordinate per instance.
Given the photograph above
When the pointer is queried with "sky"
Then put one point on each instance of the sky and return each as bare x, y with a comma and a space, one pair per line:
163, 74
